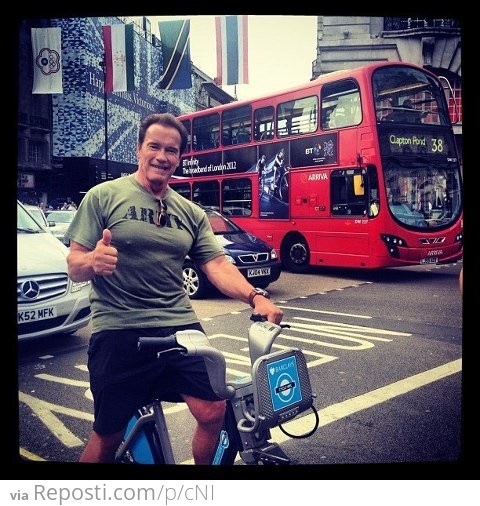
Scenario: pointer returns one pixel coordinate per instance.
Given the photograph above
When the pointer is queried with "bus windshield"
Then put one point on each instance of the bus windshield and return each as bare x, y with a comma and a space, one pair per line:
422, 195
422, 181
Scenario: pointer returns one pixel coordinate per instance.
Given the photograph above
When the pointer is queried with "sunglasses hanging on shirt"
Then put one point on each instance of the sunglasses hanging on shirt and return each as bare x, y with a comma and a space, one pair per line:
161, 214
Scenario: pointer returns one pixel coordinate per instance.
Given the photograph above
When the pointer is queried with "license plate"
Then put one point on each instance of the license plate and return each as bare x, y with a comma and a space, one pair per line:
429, 260
253, 273
32, 315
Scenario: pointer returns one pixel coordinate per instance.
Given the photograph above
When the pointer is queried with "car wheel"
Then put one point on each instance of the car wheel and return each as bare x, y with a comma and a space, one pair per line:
195, 282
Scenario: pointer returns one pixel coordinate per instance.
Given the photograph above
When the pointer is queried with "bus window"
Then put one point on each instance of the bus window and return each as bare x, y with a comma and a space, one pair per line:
206, 130
207, 193
340, 105
344, 199
408, 96
187, 125
182, 188
237, 197
297, 117
264, 123
237, 125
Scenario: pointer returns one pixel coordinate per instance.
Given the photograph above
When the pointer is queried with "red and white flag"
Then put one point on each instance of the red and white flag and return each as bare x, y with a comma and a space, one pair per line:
119, 57
47, 60
232, 49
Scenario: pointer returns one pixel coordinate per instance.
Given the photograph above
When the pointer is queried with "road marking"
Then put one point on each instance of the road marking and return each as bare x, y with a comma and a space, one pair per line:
64, 381
348, 407
30, 456
338, 327
305, 310
367, 400
45, 412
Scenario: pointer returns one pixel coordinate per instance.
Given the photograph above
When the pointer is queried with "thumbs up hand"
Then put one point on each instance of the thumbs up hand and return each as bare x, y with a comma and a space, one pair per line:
105, 257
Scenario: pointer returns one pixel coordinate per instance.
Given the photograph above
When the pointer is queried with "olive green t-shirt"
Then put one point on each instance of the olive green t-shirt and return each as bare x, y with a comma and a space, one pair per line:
146, 289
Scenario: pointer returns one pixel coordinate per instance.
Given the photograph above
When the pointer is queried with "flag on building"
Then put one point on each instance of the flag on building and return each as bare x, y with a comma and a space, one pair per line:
177, 67
47, 60
232, 49
119, 57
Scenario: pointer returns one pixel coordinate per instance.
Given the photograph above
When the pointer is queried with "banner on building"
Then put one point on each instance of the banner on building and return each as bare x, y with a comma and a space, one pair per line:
232, 49
47, 60
119, 57
177, 67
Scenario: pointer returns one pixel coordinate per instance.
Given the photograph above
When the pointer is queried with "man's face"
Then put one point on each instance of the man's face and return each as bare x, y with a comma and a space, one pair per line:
159, 154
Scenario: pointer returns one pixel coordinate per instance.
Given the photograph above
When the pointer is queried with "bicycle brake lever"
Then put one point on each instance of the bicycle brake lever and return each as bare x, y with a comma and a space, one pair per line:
257, 317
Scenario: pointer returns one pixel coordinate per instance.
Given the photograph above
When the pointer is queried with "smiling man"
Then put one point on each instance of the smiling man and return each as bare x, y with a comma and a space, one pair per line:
130, 237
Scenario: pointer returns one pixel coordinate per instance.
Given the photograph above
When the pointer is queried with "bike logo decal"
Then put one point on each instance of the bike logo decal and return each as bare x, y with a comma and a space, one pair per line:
223, 444
284, 383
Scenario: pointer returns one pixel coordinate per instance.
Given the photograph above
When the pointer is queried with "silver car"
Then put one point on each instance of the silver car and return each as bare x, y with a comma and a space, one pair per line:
59, 221
48, 301
38, 214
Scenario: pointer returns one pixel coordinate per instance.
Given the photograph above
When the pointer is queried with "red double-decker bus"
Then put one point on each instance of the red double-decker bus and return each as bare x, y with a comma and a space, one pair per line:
358, 168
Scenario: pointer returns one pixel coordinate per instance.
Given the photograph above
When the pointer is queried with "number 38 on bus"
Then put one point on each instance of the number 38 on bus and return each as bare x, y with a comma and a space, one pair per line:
358, 168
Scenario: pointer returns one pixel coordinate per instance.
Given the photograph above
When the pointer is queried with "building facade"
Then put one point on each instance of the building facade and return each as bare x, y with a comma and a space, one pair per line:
71, 141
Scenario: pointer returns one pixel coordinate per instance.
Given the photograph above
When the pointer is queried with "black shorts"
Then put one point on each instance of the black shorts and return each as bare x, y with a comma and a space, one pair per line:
123, 379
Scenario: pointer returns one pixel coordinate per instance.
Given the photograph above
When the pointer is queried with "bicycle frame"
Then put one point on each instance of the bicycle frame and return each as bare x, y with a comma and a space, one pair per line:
277, 390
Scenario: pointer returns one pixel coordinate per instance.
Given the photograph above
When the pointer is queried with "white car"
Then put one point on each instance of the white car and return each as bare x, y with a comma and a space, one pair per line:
59, 221
48, 301
38, 214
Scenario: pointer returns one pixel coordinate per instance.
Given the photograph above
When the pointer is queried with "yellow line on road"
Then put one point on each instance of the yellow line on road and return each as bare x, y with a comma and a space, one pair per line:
64, 381
30, 456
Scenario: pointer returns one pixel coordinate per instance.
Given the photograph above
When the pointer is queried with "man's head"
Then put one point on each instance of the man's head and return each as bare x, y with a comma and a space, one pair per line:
161, 141
167, 120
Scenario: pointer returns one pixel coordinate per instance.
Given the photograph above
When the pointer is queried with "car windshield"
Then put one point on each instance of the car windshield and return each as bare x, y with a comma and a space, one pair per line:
221, 225
25, 222
61, 216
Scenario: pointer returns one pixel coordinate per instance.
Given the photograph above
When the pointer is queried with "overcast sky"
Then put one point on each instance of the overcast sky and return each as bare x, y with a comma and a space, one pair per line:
281, 50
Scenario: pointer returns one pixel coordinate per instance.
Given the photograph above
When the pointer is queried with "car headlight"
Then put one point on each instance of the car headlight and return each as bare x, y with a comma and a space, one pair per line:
78, 285
273, 254
230, 259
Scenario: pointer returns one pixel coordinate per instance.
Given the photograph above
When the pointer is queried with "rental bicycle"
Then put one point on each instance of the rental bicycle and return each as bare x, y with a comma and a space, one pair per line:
277, 390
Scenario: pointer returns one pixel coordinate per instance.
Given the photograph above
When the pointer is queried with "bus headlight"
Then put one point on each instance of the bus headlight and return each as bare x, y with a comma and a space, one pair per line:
392, 242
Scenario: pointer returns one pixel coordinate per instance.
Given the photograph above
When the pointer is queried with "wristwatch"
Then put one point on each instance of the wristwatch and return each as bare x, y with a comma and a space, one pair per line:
254, 293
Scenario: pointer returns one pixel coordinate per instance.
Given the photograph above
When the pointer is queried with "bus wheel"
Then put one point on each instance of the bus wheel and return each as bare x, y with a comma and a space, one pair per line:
195, 282
296, 255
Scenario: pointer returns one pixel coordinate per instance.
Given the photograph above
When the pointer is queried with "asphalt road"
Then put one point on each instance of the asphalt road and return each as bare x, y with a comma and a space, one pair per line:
384, 352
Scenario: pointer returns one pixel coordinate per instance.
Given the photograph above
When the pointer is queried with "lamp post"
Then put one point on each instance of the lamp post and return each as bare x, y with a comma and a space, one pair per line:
105, 113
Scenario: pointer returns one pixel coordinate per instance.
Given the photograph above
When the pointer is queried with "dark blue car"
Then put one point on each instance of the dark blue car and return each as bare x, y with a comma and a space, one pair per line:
255, 259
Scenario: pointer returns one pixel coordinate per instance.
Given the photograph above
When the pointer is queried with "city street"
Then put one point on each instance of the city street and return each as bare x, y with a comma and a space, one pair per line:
384, 352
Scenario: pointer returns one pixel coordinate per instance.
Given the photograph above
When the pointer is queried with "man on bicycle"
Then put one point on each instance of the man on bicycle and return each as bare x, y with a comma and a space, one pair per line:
130, 237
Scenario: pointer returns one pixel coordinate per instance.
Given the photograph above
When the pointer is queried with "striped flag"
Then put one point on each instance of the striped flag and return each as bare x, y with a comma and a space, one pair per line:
177, 67
119, 57
232, 49
47, 60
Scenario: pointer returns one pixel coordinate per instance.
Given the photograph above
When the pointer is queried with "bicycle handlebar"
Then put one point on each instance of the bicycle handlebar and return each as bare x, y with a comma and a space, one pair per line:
195, 343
